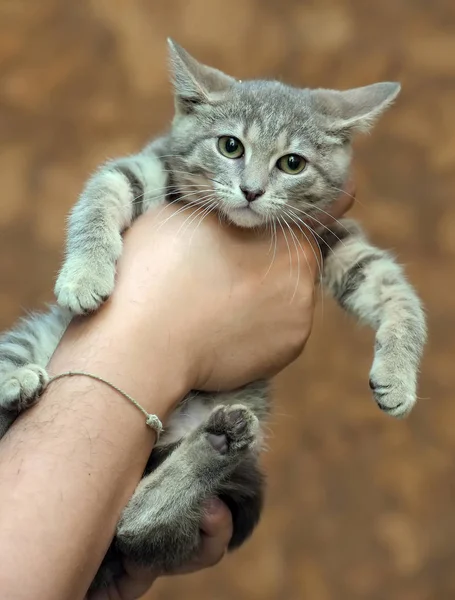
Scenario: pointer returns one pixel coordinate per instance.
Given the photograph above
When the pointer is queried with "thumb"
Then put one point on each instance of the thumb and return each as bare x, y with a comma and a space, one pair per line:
216, 528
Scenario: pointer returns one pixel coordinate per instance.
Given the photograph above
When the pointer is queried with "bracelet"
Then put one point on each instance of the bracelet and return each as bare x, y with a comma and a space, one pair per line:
151, 421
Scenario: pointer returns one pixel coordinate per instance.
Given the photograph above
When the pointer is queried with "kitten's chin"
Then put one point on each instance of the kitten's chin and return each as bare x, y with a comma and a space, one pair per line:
245, 217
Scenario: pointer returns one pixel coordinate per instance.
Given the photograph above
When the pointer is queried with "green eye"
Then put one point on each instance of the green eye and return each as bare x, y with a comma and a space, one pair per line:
230, 147
292, 164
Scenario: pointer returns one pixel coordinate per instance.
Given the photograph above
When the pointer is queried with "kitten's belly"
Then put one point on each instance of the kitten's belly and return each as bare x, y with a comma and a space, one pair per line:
186, 419
197, 406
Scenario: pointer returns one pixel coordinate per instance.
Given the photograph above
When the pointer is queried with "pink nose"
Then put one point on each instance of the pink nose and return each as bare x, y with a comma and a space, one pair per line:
252, 195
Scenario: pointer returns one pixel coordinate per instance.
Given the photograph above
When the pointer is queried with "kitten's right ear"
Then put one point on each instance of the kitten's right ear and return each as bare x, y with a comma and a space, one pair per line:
194, 83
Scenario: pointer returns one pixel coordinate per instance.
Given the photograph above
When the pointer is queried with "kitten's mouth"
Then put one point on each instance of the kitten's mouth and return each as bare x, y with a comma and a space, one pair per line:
245, 216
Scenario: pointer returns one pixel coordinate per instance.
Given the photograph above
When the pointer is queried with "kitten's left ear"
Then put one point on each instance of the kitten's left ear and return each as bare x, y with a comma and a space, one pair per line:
194, 82
356, 109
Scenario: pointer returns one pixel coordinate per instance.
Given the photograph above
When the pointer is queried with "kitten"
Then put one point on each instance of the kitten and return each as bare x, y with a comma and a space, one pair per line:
260, 152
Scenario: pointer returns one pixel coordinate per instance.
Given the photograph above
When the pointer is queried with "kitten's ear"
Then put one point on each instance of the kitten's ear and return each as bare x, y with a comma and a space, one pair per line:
194, 82
356, 109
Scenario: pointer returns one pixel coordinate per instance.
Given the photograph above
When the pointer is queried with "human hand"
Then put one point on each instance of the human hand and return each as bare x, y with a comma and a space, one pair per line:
265, 327
212, 306
235, 316
216, 530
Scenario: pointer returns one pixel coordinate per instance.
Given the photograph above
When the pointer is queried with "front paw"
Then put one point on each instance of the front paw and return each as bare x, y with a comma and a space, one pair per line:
22, 387
83, 288
232, 429
393, 387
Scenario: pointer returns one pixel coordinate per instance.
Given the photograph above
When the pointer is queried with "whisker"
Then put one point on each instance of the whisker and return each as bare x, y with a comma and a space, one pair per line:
318, 262
268, 222
325, 213
274, 238
317, 235
184, 208
181, 172
190, 218
220, 182
321, 224
210, 208
178, 171
147, 195
294, 237
306, 237
314, 207
287, 244
207, 209
187, 172
177, 188
201, 206
346, 193
169, 204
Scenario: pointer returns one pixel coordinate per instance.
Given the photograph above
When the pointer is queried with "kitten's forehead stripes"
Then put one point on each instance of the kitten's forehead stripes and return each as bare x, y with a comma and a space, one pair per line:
288, 128
253, 131
283, 140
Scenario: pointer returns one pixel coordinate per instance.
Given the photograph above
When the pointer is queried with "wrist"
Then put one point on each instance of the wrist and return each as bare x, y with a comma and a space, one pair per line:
118, 350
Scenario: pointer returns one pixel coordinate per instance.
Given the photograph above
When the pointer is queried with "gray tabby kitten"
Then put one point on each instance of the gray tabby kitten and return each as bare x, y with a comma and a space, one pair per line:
260, 152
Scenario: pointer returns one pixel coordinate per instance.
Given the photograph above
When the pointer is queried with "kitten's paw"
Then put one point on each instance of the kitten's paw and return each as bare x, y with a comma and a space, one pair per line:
232, 429
83, 290
394, 389
22, 387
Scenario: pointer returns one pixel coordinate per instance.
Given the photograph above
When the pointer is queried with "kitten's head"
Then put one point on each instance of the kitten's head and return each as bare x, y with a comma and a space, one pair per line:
261, 150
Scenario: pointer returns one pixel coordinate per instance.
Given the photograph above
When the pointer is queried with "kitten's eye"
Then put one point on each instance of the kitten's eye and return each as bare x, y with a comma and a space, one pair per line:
230, 147
292, 164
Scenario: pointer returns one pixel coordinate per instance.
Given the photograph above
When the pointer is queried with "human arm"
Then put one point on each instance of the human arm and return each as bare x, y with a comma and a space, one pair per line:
69, 465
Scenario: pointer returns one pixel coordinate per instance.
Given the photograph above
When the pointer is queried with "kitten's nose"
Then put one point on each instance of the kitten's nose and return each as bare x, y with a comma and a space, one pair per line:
252, 195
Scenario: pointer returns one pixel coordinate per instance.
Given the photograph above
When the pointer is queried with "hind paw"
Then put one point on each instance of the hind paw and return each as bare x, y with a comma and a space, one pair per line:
232, 428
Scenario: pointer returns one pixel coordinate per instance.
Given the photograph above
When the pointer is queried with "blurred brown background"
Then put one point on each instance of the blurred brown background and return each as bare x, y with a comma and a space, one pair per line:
359, 506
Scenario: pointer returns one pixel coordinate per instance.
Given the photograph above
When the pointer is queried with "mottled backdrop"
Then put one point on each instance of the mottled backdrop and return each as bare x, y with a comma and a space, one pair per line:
360, 506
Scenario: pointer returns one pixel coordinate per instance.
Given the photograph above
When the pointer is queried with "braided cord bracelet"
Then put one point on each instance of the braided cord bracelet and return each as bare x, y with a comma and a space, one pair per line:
151, 421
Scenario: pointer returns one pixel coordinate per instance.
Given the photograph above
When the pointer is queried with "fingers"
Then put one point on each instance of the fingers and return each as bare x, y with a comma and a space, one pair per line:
216, 533
131, 586
216, 530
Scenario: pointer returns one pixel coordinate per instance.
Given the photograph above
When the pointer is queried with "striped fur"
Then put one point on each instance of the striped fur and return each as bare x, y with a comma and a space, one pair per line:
211, 441
369, 284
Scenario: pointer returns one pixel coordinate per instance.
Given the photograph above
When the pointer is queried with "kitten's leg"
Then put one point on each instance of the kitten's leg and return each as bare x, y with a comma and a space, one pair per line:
118, 192
243, 493
368, 283
24, 354
7, 418
160, 526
